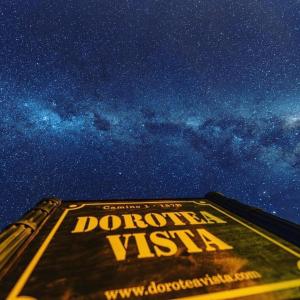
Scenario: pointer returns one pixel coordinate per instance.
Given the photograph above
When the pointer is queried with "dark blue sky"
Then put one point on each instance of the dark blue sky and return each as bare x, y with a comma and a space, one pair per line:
117, 99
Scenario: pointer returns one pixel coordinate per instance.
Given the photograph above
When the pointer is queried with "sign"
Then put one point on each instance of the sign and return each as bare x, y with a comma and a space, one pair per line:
157, 250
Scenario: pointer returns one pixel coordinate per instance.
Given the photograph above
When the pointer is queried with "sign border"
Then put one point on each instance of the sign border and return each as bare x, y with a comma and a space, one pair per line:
229, 294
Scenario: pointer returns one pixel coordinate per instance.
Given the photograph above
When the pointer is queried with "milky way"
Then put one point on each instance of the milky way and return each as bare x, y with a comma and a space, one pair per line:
140, 99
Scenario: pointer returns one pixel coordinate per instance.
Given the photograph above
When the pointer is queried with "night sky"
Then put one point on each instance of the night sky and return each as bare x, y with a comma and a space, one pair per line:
145, 98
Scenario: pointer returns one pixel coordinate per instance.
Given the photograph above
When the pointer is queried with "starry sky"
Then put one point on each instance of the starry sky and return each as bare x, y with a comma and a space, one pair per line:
139, 99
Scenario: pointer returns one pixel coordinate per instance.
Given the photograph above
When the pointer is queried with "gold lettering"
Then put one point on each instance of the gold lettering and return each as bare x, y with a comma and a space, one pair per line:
211, 218
159, 222
184, 236
189, 284
143, 248
174, 217
152, 288
85, 224
110, 222
197, 283
118, 247
209, 240
161, 238
134, 221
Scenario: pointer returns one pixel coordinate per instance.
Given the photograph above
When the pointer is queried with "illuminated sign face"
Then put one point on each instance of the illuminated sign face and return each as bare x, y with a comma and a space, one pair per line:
157, 250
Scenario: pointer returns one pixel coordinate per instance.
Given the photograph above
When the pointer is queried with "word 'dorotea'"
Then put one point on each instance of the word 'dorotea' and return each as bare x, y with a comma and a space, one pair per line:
157, 243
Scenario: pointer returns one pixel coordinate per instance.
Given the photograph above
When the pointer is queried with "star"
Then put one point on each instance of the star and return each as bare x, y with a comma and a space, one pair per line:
120, 102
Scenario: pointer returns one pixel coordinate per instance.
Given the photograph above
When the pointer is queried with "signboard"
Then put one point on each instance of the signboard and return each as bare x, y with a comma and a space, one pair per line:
155, 250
